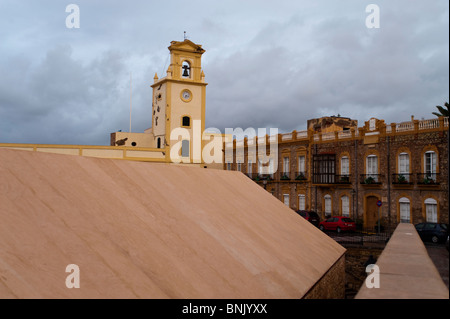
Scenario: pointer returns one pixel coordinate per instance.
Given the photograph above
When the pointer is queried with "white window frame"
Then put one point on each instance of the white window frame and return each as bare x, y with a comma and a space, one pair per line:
431, 210
430, 162
286, 199
345, 165
327, 205
301, 202
405, 210
286, 165
403, 165
372, 167
301, 164
345, 202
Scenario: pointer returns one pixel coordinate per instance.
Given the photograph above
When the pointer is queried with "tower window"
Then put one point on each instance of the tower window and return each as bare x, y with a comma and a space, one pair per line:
186, 121
185, 148
185, 70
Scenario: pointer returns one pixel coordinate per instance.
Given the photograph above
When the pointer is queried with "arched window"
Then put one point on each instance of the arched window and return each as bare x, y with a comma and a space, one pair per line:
405, 210
186, 121
286, 199
430, 165
431, 210
372, 167
158, 142
345, 202
345, 166
301, 202
327, 204
403, 166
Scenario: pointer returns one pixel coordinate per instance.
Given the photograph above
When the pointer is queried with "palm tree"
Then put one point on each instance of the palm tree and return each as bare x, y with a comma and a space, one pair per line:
442, 110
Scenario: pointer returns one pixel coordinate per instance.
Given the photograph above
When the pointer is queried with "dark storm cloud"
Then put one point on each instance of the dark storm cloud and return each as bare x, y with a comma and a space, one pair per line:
268, 64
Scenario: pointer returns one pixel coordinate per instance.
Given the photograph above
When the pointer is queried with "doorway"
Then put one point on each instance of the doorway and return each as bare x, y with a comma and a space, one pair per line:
371, 212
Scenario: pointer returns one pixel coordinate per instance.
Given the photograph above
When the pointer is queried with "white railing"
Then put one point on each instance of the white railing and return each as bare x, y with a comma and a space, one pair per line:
345, 134
405, 126
302, 134
328, 136
286, 136
428, 124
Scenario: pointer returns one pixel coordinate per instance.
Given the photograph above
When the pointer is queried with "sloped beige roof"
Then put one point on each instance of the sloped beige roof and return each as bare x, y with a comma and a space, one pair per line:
146, 230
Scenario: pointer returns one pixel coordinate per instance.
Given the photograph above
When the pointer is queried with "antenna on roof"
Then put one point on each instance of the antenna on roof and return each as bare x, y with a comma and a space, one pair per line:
130, 101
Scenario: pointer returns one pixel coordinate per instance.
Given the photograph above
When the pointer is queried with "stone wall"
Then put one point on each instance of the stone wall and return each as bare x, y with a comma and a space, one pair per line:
331, 285
355, 269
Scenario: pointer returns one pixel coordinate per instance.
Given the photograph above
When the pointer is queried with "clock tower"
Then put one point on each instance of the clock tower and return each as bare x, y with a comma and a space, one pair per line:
178, 107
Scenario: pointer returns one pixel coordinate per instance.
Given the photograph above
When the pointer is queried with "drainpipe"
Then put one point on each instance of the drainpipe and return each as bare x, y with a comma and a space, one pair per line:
315, 186
389, 181
356, 177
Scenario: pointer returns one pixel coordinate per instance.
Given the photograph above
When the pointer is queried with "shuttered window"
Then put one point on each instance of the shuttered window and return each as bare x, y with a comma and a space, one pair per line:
405, 213
302, 202
345, 206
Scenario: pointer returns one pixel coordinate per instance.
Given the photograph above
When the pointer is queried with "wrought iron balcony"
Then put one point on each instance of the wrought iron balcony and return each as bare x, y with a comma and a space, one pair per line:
343, 179
403, 179
285, 176
260, 177
301, 176
428, 178
371, 179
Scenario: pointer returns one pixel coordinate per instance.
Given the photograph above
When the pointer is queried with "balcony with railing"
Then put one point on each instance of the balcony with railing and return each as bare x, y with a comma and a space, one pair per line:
301, 177
402, 179
428, 179
371, 179
343, 179
324, 178
260, 177
285, 176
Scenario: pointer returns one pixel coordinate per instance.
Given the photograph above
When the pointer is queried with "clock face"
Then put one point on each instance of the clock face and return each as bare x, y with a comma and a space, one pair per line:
186, 95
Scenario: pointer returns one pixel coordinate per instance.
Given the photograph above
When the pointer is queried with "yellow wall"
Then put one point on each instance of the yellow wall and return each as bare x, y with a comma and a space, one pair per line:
141, 139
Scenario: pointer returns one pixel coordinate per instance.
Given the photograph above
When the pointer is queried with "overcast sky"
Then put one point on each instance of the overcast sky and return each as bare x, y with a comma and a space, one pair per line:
267, 63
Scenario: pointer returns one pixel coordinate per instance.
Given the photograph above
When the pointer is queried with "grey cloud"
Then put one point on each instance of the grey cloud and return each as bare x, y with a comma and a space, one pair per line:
268, 64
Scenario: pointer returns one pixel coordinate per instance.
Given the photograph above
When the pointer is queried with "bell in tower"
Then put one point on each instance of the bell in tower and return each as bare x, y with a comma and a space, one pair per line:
186, 70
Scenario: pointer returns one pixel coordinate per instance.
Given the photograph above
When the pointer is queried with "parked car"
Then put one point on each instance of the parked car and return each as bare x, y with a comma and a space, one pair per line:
338, 223
434, 232
310, 216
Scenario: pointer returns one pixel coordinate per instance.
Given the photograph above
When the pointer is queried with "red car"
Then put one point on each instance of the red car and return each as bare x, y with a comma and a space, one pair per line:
338, 223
